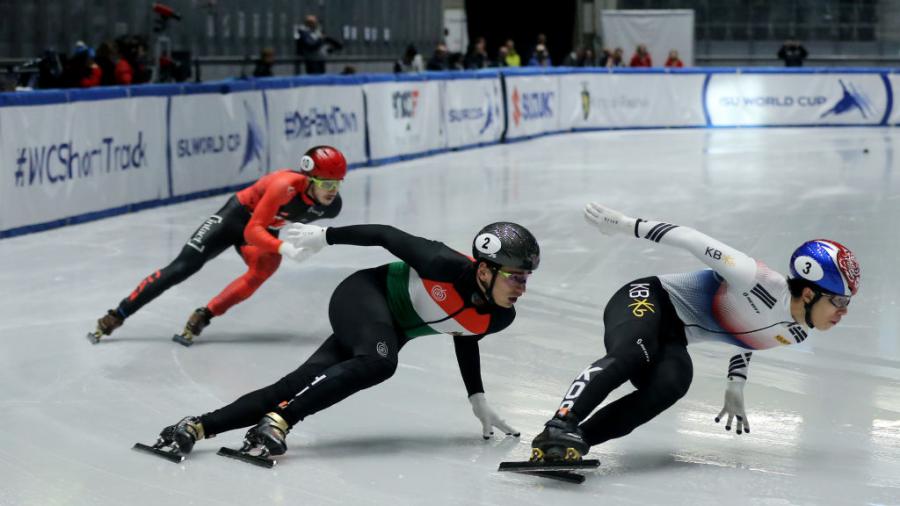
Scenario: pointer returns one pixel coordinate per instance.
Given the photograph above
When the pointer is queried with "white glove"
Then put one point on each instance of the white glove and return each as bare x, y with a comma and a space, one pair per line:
734, 405
301, 235
609, 221
489, 419
296, 254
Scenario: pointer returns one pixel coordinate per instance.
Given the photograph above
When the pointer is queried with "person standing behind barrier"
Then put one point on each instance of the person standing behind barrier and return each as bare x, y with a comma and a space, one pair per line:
250, 221
674, 60
476, 57
265, 63
793, 53
411, 61
512, 57
440, 59
313, 45
641, 57
616, 59
540, 58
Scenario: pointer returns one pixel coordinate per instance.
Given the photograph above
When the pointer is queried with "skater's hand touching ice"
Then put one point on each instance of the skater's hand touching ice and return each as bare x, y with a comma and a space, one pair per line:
489, 418
609, 221
302, 235
734, 405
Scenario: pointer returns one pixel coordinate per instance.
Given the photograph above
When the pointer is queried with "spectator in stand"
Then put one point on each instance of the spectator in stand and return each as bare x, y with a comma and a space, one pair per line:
411, 61
123, 72
265, 63
456, 61
440, 59
674, 60
604, 57
476, 57
106, 59
313, 45
574, 56
793, 53
588, 58
512, 57
133, 51
617, 59
82, 71
641, 57
348, 70
502, 53
540, 58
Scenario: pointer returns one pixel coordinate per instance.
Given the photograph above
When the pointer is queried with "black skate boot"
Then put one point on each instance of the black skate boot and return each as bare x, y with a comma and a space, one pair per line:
561, 440
262, 441
105, 325
198, 321
270, 432
176, 441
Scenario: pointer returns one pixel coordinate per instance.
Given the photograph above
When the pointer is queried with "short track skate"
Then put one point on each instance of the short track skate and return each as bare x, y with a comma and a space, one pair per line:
167, 450
251, 453
557, 467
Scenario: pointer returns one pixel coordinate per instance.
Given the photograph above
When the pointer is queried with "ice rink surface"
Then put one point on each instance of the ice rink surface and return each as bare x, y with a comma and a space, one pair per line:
825, 414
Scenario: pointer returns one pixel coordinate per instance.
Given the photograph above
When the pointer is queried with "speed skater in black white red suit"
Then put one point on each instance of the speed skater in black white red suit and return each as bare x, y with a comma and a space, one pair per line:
374, 313
649, 322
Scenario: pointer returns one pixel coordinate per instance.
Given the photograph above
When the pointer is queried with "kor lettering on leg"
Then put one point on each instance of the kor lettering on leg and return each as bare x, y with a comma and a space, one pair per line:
196, 241
577, 387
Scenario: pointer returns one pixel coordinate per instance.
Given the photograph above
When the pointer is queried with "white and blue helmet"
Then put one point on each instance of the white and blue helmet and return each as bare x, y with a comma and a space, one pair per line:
828, 265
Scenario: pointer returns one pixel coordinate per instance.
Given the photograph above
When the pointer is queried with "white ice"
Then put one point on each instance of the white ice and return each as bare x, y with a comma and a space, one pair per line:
825, 415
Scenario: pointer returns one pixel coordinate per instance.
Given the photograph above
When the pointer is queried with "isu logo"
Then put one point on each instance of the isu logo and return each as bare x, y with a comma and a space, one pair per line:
438, 293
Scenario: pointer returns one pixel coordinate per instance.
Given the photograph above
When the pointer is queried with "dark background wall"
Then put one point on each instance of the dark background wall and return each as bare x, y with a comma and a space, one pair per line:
220, 27
498, 20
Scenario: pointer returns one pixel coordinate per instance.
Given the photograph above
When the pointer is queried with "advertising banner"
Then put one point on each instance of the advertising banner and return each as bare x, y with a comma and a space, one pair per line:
307, 116
532, 105
65, 160
768, 99
603, 100
217, 140
404, 118
473, 110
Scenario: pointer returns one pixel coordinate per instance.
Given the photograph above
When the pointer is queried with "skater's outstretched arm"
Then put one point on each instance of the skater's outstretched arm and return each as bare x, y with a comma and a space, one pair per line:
736, 267
431, 259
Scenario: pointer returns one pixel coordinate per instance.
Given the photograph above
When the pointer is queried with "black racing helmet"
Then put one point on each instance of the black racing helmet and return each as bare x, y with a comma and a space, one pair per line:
507, 244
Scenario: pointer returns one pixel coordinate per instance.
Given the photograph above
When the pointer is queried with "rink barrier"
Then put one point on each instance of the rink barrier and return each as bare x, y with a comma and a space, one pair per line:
79, 155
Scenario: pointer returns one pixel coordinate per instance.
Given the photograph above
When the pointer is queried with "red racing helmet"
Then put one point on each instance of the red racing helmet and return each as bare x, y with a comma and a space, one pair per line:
324, 162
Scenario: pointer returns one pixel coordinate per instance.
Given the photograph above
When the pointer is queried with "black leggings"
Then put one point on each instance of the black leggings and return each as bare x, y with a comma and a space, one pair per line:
362, 352
646, 344
215, 235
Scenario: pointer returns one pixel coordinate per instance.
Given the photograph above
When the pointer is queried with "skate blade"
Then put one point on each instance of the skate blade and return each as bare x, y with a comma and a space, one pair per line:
243, 456
552, 465
565, 476
183, 339
94, 337
170, 455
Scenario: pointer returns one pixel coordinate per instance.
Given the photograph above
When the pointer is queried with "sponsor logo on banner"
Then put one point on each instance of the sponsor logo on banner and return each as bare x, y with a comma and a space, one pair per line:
252, 142
405, 104
64, 161
486, 113
318, 122
851, 100
531, 105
